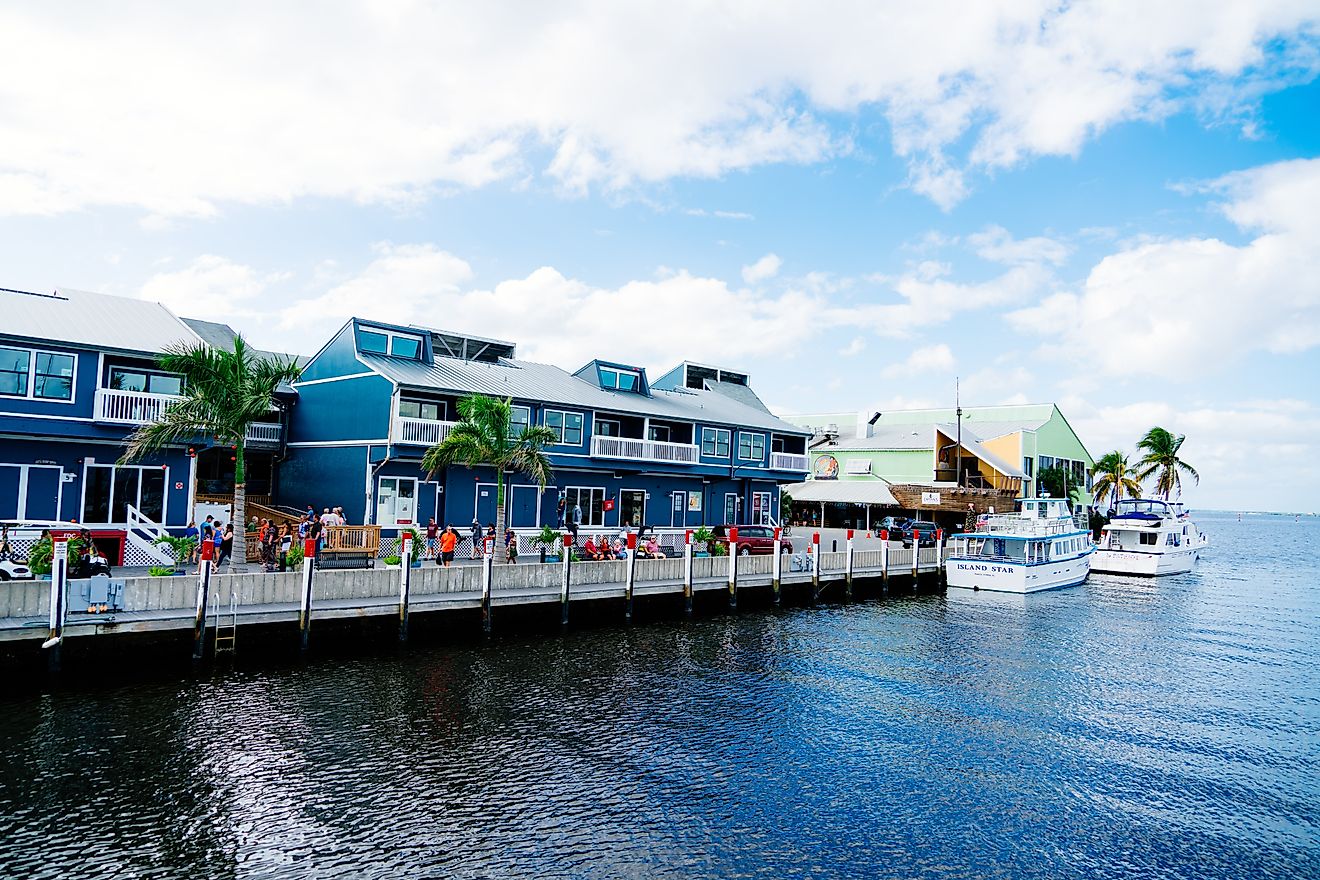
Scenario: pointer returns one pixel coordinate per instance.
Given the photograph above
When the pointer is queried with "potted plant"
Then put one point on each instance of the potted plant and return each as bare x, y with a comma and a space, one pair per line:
704, 537
393, 561
416, 554
41, 554
546, 539
182, 548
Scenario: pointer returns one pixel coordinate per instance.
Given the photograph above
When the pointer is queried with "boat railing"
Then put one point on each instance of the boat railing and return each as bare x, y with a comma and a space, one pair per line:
1021, 525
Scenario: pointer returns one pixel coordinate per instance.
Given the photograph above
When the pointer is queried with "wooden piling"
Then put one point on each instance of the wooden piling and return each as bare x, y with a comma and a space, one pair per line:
884, 560
815, 565
566, 579
848, 569
203, 597
59, 600
776, 566
733, 569
305, 609
487, 580
405, 582
687, 573
630, 578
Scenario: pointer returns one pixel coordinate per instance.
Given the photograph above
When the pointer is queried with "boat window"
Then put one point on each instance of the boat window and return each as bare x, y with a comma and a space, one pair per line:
1148, 538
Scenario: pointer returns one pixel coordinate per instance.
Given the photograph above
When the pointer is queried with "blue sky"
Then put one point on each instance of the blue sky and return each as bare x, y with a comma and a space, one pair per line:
856, 204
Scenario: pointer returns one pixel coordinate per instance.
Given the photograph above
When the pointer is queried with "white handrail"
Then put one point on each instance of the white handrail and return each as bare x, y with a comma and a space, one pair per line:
131, 407
645, 450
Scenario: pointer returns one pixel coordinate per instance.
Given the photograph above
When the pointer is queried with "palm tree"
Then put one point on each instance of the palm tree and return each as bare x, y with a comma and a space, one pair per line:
224, 392
1114, 476
1161, 461
481, 437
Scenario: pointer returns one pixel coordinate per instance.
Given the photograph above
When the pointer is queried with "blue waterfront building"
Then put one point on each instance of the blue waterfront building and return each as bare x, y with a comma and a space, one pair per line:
78, 374
694, 447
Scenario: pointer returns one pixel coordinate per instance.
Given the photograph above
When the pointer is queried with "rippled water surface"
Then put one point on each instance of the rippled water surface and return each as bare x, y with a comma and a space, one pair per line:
1126, 728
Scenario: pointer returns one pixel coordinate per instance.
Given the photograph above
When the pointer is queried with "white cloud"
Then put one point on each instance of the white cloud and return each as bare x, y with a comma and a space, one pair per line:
182, 111
853, 348
1238, 448
762, 270
928, 298
214, 289
994, 243
922, 362
1201, 302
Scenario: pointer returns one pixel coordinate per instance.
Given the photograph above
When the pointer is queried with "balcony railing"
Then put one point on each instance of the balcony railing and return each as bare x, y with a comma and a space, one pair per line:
130, 407
644, 450
787, 461
421, 432
263, 434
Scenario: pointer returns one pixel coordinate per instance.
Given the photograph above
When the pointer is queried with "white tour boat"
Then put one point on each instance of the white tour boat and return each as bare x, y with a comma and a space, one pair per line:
1150, 537
1038, 548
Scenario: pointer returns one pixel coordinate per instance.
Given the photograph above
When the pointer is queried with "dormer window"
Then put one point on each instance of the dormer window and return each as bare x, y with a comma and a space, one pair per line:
615, 379
373, 340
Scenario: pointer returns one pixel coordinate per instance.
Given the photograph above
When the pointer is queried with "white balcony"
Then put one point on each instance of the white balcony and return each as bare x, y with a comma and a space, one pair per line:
263, 434
130, 407
787, 461
644, 450
420, 432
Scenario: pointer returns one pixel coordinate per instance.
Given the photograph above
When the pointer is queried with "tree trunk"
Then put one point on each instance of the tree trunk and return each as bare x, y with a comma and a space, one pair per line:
238, 559
500, 519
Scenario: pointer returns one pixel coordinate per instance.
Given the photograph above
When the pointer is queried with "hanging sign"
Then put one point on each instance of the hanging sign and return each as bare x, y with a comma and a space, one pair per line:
694, 502
609, 504
932, 498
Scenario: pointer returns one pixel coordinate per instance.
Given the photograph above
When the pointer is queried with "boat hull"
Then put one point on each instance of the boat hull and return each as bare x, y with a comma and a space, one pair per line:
1017, 577
1135, 562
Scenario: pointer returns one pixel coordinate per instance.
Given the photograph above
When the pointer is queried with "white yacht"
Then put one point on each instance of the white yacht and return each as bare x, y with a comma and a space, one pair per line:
1150, 537
1038, 548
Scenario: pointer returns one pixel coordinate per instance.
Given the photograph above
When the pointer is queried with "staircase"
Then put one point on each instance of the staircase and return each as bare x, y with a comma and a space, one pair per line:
140, 547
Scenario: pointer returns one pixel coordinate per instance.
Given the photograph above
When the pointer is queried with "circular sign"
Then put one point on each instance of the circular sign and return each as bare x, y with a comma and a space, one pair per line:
178, 485
826, 468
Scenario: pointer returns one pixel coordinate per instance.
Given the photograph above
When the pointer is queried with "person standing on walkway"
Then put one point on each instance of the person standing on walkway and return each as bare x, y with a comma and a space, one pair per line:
476, 538
448, 541
432, 539
195, 549
225, 547
576, 522
511, 545
286, 544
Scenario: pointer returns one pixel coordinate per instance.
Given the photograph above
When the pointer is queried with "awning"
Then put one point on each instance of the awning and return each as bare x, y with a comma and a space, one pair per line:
844, 491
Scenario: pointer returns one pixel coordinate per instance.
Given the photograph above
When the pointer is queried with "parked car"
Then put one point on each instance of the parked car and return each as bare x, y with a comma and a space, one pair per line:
924, 531
895, 525
754, 539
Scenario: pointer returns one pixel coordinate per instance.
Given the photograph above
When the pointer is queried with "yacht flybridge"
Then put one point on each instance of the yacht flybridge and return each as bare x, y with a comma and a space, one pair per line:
1148, 536
1038, 548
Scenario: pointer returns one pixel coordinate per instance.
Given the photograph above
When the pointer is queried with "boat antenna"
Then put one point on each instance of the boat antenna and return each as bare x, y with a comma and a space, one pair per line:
957, 398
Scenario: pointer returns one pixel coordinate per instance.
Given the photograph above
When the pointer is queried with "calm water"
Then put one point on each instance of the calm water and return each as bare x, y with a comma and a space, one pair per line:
1128, 728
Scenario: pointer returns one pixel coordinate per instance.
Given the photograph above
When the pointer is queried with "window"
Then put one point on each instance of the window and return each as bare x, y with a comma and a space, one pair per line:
623, 380
1148, 538
53, 379
660, 433
421, 409
761, 512
126, 379
715, 442
592, 502
1027, 464
406, 347
566, 425
606, 428
396, 501
372, 342
751, 447
14, 366
378, 341
520, 417
37, 375
111, 489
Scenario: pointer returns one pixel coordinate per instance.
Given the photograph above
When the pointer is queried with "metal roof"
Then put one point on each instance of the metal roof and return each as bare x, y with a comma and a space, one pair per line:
973, 445
906, 437
738, 392
846, 491
94, 320
222, 336
526, 380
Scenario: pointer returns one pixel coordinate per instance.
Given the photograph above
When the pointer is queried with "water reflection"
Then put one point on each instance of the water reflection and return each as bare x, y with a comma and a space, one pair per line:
1129, 729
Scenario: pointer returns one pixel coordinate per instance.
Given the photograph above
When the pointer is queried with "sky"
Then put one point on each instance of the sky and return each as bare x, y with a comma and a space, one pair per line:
1112, 206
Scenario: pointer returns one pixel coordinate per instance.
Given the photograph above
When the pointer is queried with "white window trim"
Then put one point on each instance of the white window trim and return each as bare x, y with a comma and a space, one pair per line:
395, 525
150, 371
444, 408
637, 380
586, 513
701, 448
564, 425
114, 466
618, 427
753, 435
389, 342
32, 375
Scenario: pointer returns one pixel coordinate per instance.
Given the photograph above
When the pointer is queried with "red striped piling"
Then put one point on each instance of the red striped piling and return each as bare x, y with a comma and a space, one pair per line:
848, 569
305, 608
733, 569
777, 566
203, 596
405, 582
884, 560
815, 565
566, 578
487, 579
687, 573
630, 577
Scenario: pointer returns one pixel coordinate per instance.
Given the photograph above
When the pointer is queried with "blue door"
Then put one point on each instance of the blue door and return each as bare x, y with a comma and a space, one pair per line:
9, 476
522, 507
485, 503
43, 493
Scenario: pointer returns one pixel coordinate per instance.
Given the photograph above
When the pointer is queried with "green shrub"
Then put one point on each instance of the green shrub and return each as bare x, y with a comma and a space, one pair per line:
392, 560
546, 538
158, 571
181, 547
416, 543
39, 558
295, 555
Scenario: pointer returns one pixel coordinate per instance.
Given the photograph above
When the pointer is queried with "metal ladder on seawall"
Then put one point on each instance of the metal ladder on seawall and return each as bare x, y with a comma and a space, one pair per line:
226, 634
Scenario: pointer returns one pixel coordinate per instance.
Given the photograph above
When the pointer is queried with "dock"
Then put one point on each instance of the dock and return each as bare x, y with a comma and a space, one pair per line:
161, 604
